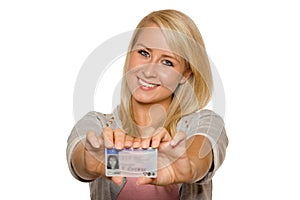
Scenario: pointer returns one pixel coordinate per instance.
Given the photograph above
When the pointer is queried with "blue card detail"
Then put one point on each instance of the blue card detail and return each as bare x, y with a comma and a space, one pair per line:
112, 151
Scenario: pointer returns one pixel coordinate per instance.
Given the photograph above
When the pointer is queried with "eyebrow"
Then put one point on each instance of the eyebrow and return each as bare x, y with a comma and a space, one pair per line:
144, 46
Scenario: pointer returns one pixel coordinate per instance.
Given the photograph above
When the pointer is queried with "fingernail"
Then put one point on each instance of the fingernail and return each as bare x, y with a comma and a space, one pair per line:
128, 143
96, 144
173, 143
144, 145
137, 183
119, 181
109, 144
119, 145
154, 144
136, 145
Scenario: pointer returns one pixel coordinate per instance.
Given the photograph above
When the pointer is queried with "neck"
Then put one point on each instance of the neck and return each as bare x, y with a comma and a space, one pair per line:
149, 115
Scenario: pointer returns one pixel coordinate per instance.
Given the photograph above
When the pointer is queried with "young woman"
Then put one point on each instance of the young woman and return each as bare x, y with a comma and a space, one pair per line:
166, 84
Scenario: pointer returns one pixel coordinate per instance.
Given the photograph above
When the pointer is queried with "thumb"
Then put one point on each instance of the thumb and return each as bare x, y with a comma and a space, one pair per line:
178, 138
143, 181
92, 139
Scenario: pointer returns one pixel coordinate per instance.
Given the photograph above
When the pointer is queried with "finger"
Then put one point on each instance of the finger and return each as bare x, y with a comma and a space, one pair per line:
178, 138
144, 181
117, 179
136, 143
160, 135
128, 141
108, 137
92, 140
119, 137
93, 146
145, 142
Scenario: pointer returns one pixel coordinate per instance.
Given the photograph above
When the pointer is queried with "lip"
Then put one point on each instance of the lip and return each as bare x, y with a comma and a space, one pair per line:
145, 85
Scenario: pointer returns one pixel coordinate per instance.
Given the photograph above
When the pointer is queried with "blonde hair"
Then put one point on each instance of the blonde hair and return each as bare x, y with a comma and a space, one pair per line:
184, 38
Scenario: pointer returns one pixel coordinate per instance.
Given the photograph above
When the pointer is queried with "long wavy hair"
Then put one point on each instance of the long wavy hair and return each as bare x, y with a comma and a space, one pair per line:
184, 39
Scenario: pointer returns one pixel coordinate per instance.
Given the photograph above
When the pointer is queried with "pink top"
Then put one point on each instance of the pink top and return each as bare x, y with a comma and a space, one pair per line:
147, 192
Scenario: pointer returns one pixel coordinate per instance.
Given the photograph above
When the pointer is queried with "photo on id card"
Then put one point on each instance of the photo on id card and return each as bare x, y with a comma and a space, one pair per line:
131, 162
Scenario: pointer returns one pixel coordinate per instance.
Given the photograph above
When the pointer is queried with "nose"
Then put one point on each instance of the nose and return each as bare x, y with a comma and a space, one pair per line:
149, 70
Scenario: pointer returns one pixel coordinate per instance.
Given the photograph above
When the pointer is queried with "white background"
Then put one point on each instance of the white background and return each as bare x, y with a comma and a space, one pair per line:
254, 45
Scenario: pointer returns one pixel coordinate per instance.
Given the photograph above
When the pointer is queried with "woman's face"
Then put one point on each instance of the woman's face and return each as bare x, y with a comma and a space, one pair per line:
154, 72
112, 162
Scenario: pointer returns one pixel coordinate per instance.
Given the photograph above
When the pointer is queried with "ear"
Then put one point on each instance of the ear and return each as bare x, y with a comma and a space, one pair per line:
185, 77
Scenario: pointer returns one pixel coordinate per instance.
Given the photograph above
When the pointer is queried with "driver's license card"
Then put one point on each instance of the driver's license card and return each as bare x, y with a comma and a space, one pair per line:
131, 162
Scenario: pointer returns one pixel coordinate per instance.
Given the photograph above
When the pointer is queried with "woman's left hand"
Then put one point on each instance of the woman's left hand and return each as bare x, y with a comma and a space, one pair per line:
174, 165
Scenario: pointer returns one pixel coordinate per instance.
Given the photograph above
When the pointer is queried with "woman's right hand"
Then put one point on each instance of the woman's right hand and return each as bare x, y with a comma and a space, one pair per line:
94, 150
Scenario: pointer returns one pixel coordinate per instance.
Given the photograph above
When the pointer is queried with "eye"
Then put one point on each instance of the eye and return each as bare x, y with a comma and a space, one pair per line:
144, 53
168, 63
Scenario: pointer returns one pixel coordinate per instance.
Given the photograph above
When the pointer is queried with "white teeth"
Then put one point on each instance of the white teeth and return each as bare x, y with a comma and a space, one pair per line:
149, 85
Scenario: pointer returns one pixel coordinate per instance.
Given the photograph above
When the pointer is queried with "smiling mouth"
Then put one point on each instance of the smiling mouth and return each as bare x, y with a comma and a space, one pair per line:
147, 85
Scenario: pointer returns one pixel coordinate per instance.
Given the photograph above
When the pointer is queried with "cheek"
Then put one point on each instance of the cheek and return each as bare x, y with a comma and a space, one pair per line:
133, 61
131, 72
170, 78
131, 79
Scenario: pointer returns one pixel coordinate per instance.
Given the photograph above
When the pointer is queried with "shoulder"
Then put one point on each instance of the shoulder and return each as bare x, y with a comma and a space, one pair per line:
98, 114
198, 116
103, 119
111, 120
201, 120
